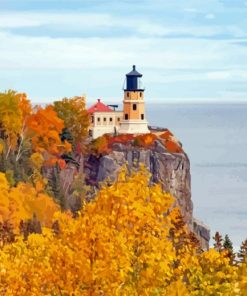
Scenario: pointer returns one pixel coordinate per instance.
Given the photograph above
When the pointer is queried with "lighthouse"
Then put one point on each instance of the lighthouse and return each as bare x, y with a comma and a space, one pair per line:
134, 118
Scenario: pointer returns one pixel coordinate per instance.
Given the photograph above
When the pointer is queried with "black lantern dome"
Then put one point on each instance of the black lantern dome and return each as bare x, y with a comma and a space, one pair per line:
133, 81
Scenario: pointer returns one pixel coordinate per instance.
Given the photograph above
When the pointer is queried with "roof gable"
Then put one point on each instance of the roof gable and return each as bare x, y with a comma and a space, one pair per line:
99, 107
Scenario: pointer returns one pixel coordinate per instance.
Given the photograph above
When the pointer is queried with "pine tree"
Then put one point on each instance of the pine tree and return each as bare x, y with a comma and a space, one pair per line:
66, 136
55, 188
228, 244
242, 254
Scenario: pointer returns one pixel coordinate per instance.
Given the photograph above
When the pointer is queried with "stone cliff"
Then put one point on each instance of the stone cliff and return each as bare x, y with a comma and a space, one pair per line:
169, 167
171, 170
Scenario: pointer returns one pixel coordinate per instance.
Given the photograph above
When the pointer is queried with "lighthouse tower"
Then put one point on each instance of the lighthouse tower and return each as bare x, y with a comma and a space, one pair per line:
134, 119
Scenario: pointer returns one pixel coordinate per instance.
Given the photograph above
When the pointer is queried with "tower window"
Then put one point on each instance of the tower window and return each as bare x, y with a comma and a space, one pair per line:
126, 116
134, 107
142, 116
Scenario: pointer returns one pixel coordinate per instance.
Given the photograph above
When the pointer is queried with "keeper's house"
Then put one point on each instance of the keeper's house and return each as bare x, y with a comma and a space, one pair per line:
103, 119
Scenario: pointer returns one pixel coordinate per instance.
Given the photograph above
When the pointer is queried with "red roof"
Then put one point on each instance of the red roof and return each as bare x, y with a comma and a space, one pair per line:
99, 107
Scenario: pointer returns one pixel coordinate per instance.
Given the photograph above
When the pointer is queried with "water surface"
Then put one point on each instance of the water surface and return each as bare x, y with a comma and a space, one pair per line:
215, 138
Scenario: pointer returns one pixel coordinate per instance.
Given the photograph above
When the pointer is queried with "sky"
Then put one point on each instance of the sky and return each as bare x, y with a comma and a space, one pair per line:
187, 50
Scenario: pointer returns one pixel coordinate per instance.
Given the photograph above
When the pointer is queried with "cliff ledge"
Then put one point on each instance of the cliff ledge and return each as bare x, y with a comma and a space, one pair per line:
171, 170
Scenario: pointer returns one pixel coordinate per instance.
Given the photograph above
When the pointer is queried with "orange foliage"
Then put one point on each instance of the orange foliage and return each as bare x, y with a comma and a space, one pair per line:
145, 141
61, 163
170, 143
46, 127
100, 145
173, 147
123, 139
103, 145
166, 135
25, 106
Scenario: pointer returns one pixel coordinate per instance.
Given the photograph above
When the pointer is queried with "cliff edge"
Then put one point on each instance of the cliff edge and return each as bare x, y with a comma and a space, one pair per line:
170, 169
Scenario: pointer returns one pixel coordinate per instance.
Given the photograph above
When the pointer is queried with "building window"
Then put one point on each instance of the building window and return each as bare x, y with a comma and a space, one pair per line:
110, 119
104, 119
142, 116
128, 94
140, 94
126, 116
92, 119
118, 119
134, 106
98, 119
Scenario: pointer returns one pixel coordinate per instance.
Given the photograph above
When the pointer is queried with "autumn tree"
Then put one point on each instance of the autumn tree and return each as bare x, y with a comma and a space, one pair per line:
76, 120
116, 246
15, 145
45, 127
124, 242
7, 234
38, 181
218, 242
211, 273
15, 108
10, 119
21, 202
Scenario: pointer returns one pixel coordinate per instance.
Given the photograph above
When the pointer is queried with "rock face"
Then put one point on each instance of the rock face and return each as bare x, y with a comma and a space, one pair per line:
202, 232
171, 170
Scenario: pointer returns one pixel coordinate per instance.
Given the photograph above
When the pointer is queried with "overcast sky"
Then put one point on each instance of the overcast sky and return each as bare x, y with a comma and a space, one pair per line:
186, 49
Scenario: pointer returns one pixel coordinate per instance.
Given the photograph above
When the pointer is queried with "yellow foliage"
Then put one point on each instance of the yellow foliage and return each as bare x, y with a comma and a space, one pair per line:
37, 160
21, 202
122, 243
1, 147
75, 116
177, 288
10, 116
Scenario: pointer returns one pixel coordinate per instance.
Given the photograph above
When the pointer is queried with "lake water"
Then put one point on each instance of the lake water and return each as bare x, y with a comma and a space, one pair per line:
215, 138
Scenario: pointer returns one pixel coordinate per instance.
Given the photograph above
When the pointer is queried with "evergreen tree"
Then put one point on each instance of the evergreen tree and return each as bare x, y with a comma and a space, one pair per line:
228, 244
66, 136
55, 187
242, 254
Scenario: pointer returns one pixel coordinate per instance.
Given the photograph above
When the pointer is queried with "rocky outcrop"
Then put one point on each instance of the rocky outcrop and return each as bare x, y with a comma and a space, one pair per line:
202, 232
171, 170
